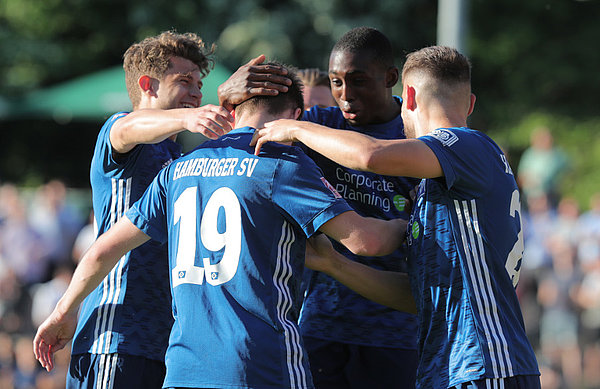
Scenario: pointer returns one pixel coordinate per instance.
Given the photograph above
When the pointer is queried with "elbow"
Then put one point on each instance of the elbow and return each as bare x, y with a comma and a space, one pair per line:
369, 159
372, 246
364, 160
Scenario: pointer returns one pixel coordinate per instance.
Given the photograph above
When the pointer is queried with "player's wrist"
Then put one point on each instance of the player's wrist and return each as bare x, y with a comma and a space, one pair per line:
64, 310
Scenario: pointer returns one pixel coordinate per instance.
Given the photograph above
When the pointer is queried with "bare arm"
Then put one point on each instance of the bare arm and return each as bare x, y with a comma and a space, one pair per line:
145, 126
366, 235
252, 79
398, 157
388, 288
56, 331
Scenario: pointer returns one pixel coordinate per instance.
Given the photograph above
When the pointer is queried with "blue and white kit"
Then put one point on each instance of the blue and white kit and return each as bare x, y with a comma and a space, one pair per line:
236, 226
129, 312
331, 310
465, 250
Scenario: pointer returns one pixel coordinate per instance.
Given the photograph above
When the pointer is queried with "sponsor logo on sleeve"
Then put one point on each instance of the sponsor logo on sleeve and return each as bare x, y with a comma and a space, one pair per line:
446, 137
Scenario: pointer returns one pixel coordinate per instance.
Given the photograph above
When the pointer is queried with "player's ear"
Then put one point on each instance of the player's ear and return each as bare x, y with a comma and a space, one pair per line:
146, 83
411, 102
297, 113
472, 106
391, 77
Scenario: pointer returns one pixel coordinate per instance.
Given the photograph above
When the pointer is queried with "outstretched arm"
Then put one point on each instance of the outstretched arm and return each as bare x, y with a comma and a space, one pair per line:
145, 126
397, 157
253, 79
388, 288
56, 331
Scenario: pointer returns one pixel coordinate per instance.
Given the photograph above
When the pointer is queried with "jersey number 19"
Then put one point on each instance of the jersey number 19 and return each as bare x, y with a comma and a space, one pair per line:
185, 213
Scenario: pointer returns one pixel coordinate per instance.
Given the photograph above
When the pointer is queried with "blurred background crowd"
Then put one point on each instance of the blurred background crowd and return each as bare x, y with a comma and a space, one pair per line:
42, 234
44, 230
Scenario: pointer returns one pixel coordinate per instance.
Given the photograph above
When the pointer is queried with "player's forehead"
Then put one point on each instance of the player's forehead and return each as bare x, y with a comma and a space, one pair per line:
183, 66
344, 62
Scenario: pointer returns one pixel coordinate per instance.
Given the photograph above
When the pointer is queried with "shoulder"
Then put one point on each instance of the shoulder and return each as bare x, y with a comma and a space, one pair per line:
330, 116
456, 137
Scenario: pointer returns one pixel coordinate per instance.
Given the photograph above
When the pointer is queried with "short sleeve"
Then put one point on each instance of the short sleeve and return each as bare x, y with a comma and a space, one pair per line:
149, 212
301, 190
465, 159
105, 147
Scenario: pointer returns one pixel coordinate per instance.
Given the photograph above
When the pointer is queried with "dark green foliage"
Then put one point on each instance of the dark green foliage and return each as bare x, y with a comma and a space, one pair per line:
533, 61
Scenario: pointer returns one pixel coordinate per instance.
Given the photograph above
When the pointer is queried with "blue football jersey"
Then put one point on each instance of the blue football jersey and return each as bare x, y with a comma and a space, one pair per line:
236, 226
129, 312
331, 310
465, 251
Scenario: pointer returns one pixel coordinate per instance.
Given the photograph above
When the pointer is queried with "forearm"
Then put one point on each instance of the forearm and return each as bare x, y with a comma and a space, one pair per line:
88, 275
387, 235
366, 235
347, 148
388, 288
146, 126
98, 261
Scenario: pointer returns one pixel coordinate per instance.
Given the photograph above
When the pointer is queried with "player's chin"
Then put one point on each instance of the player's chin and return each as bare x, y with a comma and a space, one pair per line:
357, 121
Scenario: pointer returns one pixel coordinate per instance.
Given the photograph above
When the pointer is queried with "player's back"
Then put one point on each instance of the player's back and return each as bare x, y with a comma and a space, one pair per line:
237, 230
465, 242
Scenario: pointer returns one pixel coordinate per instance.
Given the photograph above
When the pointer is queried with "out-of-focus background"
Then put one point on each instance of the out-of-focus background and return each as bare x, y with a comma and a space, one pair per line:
536, 74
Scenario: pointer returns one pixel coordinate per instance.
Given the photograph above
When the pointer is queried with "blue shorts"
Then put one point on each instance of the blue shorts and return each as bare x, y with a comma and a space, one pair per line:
114, 371
346, 366
516, 382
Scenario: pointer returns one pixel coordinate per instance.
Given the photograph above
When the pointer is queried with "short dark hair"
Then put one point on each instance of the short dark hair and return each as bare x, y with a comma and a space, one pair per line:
152, 56
440, 62
361, 39
293, 98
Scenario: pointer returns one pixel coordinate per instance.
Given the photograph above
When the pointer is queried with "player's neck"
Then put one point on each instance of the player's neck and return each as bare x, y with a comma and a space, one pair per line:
391, 110
439, 118
258, 119
255, 120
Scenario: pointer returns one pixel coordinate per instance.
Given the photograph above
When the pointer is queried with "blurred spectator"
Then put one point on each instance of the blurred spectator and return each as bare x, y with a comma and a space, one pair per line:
559, 321
26, 366
21, 248
588, 298
44, 296
55, 221
538, 224
542, 166
7, 361
24, 268
317, 90
14, 303
589, 235
567, 224
85, 238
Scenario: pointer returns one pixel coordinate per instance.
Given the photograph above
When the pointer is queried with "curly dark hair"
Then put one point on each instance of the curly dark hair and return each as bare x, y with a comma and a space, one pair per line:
152, 55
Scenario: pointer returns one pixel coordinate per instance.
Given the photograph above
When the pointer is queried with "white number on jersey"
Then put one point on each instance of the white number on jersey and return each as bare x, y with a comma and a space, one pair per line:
185, 213
513, 261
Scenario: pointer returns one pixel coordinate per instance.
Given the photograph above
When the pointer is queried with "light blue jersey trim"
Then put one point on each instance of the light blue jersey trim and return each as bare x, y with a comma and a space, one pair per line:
112, 283
281, 276
466, 212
